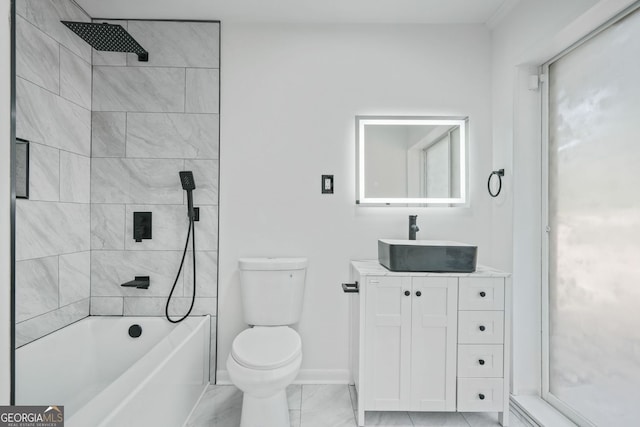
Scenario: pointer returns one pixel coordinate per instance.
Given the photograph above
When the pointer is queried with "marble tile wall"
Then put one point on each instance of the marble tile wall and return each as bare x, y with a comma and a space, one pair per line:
53, 232
108, 137
151, 120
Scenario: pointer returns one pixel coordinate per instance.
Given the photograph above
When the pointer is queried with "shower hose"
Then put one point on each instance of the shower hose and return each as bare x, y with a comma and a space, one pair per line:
190, 234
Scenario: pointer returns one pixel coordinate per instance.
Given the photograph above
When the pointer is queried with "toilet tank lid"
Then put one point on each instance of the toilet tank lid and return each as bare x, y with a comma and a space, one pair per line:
270, 264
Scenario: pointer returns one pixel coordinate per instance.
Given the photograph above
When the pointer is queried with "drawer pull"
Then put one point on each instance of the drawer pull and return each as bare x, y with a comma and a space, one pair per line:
418, 293
481, 361
407, 293
481, 396
483, 294
482, 328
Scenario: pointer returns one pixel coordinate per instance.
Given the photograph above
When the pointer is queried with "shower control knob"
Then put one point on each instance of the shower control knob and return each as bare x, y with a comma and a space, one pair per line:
481, 396
418, 293
407, 293
483, 294
482, 328
481, 361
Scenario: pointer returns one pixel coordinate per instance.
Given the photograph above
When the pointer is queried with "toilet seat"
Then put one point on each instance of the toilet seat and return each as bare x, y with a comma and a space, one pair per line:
267, 347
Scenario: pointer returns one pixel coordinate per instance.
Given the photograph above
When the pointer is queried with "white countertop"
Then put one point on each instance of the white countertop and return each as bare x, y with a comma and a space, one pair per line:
371, 267
425, 243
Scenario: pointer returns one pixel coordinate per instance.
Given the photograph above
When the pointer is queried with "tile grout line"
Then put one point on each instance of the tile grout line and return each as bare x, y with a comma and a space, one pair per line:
353, 407
90, 182
75, 319
146, 111
175, 67
466, 420
53, 147
124, 231
59, 69
59, 177
37, 28
51, 311
58, 281
50, 92
126, 132
301, 402
55, 255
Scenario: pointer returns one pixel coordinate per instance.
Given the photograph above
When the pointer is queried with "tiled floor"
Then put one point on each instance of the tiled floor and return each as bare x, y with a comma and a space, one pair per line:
330, 406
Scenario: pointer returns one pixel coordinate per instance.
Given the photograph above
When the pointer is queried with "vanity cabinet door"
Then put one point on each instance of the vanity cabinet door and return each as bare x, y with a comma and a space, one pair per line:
433, 340
387, 343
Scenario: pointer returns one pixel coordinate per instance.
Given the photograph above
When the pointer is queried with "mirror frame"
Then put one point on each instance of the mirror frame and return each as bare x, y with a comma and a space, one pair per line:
361, 121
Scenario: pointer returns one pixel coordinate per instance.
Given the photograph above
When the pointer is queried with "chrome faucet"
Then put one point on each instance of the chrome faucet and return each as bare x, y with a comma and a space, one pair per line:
413, 227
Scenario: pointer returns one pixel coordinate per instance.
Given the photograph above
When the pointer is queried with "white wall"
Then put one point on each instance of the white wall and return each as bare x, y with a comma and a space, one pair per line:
289, 97
5, 197
531, 34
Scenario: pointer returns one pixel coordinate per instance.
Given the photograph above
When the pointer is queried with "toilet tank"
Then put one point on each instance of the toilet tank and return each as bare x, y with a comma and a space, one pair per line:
272, 290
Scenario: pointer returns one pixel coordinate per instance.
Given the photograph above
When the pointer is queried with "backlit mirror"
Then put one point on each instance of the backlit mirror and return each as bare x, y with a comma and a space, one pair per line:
411, 160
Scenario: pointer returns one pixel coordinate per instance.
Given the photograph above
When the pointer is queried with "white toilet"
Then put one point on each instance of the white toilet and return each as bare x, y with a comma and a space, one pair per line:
266, 358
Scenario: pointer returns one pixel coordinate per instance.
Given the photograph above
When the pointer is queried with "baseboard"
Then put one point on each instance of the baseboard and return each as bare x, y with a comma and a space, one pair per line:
323, 376
305, 376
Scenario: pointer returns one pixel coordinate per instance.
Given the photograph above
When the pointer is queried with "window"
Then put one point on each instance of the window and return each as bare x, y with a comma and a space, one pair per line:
592, 368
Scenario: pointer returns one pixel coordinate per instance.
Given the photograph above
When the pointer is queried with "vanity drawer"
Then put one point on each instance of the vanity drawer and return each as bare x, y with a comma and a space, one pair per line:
480, 394
481, 293
480, 327
480, 361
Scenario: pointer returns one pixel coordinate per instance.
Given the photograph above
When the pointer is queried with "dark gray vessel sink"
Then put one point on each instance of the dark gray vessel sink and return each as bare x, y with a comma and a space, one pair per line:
436, 256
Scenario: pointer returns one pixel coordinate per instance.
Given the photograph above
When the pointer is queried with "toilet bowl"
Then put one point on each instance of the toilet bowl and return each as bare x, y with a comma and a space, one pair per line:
263, 361
266, 358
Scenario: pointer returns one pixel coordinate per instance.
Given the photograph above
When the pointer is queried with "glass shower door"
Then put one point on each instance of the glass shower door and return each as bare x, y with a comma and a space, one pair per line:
594, 237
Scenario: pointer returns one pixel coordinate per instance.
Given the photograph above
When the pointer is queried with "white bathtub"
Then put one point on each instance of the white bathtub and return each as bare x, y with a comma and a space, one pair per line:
105, 378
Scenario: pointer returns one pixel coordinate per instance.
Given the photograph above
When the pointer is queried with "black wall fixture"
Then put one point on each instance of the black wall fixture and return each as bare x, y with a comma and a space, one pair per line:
22, 169
141, 226
499, 173
139, 282
108, 37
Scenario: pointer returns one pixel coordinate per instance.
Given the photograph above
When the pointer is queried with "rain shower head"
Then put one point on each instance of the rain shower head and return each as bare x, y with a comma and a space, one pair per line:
186, 177
108, 37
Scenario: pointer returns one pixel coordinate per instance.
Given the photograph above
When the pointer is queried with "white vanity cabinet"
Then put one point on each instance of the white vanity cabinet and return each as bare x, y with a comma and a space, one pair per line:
430, 342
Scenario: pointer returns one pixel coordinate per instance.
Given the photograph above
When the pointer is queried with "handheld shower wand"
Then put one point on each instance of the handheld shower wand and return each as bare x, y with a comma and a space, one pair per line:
188, 184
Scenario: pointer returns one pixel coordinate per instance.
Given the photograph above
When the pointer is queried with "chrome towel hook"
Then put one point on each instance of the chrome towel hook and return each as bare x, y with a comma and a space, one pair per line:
499, 173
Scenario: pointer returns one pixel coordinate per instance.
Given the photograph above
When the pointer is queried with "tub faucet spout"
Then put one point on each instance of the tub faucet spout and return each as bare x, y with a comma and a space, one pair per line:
140, 282
413, 227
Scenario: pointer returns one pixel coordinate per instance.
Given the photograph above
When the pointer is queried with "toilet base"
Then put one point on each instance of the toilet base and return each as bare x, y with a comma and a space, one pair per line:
270, 411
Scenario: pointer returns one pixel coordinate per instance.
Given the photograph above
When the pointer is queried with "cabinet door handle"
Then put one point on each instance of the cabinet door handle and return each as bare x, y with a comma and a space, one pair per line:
483, 294
481, 361
481, 396
418, 293
407, 293
482, 328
